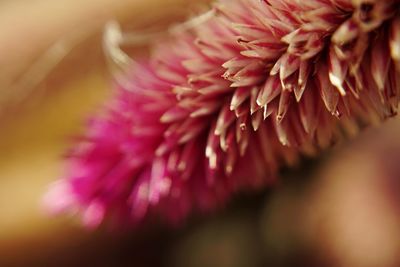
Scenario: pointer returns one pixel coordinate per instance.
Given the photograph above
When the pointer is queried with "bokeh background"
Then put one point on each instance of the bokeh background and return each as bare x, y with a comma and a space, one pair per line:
341, 209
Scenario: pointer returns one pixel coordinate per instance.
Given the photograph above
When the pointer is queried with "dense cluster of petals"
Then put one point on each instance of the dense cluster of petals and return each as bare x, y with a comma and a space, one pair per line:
221, 106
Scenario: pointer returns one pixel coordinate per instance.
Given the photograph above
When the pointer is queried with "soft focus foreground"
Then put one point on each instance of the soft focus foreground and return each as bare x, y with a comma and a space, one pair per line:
342, 210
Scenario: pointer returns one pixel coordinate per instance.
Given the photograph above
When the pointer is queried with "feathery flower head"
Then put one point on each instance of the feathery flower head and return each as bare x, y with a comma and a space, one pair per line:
221, 106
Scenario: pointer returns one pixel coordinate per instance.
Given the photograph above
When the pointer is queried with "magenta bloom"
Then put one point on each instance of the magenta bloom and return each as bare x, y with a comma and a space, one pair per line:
220, 107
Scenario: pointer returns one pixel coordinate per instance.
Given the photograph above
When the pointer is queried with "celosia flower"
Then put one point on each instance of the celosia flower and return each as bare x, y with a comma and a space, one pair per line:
220, 107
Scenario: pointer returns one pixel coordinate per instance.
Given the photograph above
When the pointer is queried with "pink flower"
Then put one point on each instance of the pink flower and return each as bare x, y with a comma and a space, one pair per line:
220, 107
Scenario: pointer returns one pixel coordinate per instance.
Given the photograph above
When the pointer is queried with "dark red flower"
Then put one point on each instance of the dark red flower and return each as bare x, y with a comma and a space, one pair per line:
220, 107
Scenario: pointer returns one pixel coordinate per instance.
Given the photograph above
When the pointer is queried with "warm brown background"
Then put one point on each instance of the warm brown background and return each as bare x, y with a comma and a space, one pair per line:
36, 130
342, 210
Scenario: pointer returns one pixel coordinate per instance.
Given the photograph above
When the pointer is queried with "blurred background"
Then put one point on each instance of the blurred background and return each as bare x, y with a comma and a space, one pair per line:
342, 209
